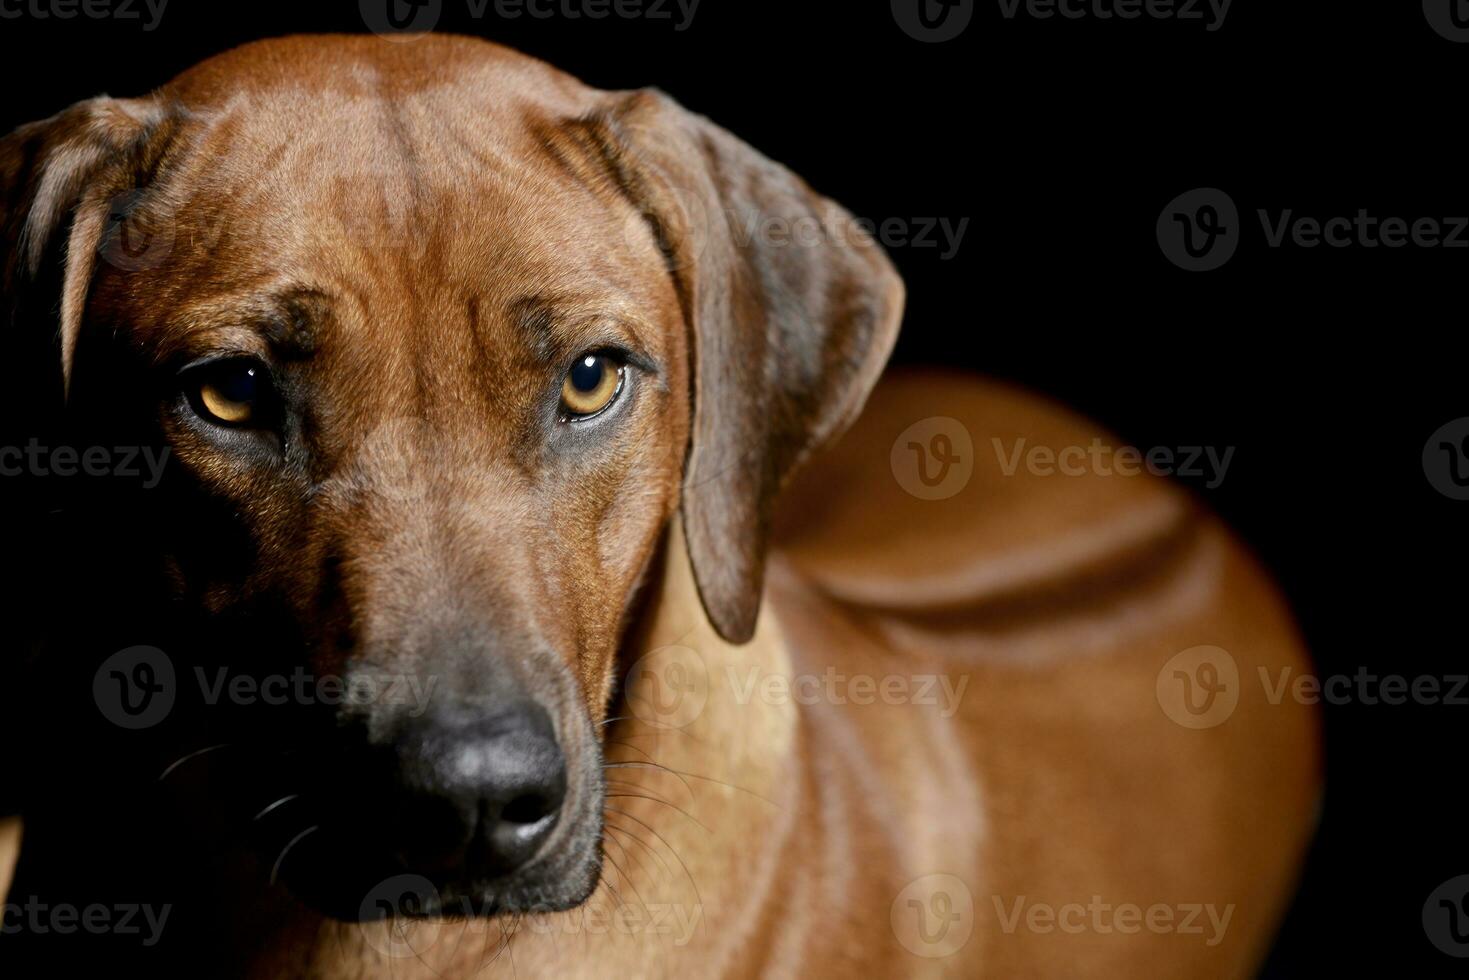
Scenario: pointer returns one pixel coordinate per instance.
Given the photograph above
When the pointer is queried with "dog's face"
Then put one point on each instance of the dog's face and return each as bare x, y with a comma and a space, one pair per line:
439, 404
439, 341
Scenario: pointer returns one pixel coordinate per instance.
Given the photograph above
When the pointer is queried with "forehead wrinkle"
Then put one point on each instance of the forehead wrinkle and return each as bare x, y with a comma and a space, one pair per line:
580, 149
283, 322
558, 329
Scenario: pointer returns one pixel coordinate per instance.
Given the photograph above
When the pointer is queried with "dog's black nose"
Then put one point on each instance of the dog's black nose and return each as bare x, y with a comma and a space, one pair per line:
480, 793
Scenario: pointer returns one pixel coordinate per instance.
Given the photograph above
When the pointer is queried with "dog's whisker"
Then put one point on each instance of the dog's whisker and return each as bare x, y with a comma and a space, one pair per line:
514, 931
468, 924
502, 943
276, 868
642, 752
630, 855
658, 726
611, 840
607, 884
626, 856
655, 734
629, 784
192, 755
419, 956
672, 806
507, 933
629, 764
641, 843
484, 949
280, 802
671, 848
623, 872
692, 775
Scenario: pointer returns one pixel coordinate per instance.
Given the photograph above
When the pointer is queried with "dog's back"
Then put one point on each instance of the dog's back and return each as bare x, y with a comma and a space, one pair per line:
1098, 651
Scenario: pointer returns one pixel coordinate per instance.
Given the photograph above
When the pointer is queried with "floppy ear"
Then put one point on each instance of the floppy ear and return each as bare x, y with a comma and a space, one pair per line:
59, 179
792, 309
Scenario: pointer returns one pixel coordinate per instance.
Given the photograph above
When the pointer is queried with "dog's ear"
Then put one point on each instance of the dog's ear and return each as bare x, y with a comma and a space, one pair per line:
59, 181
792, 310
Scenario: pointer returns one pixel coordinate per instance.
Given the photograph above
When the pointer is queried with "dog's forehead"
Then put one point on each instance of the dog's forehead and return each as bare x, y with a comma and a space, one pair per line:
343, 66
427, 181
398, 142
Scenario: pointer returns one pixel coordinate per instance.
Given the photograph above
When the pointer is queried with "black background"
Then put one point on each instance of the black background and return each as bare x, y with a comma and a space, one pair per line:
1061, 141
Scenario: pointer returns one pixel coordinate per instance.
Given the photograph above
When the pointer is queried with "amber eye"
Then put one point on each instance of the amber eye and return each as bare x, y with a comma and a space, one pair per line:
231, 393
590, 386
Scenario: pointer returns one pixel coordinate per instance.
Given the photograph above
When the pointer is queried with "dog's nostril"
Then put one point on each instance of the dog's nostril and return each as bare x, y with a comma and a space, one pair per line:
489, 790
527, 809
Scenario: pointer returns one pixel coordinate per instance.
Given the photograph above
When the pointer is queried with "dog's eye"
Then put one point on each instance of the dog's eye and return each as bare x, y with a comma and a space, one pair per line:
231, 392
591, 385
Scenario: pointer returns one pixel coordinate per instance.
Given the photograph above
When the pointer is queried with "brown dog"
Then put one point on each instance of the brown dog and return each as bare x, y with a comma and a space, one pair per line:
476, 376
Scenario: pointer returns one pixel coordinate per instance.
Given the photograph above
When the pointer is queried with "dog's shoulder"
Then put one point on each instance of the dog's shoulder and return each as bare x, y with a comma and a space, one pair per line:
1087, 618
953, 492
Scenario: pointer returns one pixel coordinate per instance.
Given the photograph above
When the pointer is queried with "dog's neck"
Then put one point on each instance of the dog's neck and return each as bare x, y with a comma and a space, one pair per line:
708, 711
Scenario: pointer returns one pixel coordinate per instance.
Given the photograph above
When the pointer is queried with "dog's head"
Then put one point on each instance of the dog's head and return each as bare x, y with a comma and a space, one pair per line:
439, 341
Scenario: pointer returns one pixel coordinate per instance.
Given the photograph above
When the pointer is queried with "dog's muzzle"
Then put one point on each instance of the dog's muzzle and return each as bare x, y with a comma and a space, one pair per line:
473, 807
